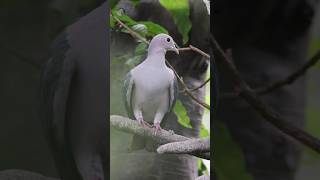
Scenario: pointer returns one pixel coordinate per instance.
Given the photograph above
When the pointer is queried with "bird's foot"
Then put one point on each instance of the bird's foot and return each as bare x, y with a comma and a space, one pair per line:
142, 122
171, 132
157, 128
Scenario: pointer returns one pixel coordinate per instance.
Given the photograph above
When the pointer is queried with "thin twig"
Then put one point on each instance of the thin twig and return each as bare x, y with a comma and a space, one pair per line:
185, 87
132, 32
292, 77
203, 84
20, 56
195, 49
161, 137
252, 98
187, 91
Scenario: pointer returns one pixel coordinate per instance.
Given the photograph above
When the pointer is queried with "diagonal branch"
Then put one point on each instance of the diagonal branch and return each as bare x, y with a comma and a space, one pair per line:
252, 98
162, 137
292, 77
203, 84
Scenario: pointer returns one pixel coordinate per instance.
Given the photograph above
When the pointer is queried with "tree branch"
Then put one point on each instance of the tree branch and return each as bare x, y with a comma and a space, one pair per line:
251, 97
292, 77
185, 88
162, 137
203, 84
280, 83
189, 146
20, 56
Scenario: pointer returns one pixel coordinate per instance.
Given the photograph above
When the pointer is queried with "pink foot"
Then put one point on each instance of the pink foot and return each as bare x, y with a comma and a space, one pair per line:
142, 122
157, 128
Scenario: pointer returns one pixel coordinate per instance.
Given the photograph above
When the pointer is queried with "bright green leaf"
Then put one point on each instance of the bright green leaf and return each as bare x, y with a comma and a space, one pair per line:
204, 132
141, 49
181, 113
202, 169
180, 12
144, 28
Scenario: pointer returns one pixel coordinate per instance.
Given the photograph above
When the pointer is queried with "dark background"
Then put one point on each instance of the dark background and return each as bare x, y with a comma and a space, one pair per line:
26, 31
269, 40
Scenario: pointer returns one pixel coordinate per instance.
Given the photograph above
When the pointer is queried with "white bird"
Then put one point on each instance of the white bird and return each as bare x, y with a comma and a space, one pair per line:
150, 89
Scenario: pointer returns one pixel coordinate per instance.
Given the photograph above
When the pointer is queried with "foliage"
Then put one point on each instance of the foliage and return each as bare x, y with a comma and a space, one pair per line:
135, 2
229, 160
144, 28
113, 3
314, 47
180, 12
139, 54
181, 113
202, 169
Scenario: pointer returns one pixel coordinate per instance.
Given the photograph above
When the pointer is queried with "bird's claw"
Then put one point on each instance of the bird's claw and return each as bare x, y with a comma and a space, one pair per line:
143, 123
157, 128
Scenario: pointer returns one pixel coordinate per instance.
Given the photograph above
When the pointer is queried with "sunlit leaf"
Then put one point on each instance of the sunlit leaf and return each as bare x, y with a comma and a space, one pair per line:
204, 132
181, 113
202, 169
144, 28
229, 160
180, 12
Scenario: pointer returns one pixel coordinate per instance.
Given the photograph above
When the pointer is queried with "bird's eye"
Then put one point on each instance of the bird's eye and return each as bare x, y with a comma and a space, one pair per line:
168, 39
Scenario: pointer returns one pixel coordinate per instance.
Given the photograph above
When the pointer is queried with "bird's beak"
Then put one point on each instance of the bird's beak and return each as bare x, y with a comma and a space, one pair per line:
175, 49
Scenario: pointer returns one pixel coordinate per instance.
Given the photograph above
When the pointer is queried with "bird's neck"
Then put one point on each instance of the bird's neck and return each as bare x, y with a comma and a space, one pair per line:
157, 57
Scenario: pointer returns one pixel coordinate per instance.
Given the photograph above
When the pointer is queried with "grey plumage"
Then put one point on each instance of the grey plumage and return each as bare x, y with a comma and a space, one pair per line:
150, 89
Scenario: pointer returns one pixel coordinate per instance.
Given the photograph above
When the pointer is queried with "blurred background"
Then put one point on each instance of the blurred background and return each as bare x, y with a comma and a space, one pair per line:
268, 39
26, 31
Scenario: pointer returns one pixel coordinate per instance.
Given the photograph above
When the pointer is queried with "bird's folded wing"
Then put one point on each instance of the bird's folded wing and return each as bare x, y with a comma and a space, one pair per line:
173, 93
128, 90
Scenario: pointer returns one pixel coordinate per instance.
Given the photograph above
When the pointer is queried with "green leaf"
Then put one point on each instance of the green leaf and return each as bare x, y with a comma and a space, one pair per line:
139, 53
203, 131
180, 12
202, 169
181, 113
144, 28
153, 28
314, 48
141, 49
135, 2
113, 3
229, 159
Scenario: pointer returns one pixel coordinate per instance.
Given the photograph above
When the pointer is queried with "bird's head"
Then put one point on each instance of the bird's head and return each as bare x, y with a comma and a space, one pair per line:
162, 42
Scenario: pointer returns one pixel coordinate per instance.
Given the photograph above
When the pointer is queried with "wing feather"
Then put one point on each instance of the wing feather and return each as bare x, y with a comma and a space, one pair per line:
128, 90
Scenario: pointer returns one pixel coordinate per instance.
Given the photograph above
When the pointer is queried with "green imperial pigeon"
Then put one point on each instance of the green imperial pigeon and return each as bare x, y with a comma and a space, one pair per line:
150, 89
